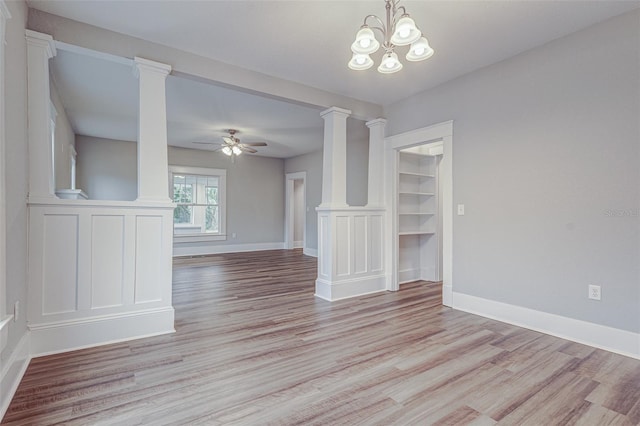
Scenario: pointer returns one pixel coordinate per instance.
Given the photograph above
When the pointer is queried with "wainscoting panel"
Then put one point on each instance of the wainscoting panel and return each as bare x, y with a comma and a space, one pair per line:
107, 261
376, 231
350, 252
60, 264
148, 257
95, 265
324, 244
360, 238
343, 244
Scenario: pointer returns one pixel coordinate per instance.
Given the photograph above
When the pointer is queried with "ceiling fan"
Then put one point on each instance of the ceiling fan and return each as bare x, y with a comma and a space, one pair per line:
232, 146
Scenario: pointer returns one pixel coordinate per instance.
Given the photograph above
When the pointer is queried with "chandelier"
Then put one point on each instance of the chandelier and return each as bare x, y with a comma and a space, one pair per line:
399, 30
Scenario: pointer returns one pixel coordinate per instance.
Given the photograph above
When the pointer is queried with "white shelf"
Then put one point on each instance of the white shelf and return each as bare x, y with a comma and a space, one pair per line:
417, 174
426, 194
415, 233
415, 214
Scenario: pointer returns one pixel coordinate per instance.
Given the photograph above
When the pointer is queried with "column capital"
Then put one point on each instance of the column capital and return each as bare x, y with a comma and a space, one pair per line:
335, 111
44, 41
149, 65
376, 122
4, 11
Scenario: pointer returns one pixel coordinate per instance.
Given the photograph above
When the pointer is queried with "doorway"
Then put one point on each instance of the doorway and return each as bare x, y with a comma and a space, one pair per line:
410, 227
295, 229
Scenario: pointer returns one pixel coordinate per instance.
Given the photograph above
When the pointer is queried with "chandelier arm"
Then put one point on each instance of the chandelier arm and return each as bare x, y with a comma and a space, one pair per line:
376, 18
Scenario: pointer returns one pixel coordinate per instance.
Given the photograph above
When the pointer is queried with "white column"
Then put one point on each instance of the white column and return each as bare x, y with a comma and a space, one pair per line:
40, 48
153, 167
334, 158
376, 162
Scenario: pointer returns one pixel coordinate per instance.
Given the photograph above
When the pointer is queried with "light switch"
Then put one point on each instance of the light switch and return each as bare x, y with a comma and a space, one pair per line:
460, 209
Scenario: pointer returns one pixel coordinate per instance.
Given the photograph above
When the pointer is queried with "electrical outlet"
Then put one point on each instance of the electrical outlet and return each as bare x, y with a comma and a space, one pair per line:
594, 292
460, 209
233, 235
16, 310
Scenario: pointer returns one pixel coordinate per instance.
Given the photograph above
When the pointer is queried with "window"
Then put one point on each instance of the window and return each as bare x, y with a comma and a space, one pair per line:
199, 194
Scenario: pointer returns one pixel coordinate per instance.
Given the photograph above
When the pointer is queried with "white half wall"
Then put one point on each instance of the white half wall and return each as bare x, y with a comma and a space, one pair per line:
352, 261
99, 272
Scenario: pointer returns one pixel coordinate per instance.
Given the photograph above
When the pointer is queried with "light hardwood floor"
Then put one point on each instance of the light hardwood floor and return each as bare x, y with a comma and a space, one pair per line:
254, 346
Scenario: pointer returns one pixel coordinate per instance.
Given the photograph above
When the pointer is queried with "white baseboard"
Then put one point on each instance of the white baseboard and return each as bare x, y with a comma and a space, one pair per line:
47, 339
408, 275
185, 249
310, 252
13, 371
608, 338
298, 244
354, 287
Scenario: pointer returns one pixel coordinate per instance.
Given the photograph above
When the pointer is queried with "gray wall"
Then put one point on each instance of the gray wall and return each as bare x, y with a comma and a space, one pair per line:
107, 169
255, 193
255, 185
16, 169
546, 154
312, 164
63, 138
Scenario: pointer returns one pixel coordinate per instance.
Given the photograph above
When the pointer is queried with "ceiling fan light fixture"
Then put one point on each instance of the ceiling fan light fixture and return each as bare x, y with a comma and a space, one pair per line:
236, 150
227, 150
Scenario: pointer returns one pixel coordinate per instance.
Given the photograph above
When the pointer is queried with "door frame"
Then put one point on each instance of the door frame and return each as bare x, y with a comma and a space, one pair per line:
441, 132
289, 217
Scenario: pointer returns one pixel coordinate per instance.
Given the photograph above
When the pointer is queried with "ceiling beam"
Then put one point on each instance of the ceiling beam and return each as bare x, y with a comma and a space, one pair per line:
194, 66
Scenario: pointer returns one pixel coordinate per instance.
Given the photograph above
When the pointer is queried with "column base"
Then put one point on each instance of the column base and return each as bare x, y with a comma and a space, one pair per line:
344, 289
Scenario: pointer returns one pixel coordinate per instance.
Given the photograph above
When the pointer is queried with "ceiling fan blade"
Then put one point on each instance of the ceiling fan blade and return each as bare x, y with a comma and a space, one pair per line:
254, 143
206, 143
228, 140
247, 149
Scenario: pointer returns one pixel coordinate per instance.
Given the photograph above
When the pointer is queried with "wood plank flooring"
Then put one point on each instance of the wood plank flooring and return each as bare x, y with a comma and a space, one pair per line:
254, 346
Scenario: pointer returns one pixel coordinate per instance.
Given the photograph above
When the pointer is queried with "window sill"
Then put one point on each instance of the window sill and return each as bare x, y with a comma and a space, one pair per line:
198, 238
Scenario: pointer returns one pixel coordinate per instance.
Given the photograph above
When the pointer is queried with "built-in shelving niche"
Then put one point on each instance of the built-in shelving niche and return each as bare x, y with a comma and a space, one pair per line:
419, 217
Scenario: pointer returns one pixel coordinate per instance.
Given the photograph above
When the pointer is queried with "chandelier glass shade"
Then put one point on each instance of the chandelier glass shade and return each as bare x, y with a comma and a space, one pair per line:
399, 30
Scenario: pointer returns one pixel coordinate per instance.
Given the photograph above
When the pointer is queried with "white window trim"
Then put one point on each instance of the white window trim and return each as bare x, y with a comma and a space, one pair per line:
222, 203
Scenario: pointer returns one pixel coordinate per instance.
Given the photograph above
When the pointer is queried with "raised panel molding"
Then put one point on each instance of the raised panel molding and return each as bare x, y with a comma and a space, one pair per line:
343, 257
107, 261
360, 239
376, 232
59, 263
148, 257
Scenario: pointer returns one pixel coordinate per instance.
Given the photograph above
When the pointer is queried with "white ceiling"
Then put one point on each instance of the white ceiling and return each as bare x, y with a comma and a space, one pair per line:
308, 41
303, 41
100, 98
